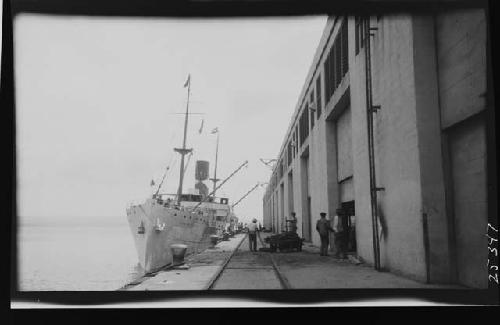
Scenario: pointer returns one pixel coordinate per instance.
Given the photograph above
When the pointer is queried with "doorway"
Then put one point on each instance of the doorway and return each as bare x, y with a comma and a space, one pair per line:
349, 223
290, 193
306, 198
282, 208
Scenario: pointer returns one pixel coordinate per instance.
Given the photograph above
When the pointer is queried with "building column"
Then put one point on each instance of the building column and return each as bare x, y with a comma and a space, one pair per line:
433, 209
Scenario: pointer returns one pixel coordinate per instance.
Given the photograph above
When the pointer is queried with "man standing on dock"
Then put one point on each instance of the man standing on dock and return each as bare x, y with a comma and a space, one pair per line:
252, 235
323, 227
292, 223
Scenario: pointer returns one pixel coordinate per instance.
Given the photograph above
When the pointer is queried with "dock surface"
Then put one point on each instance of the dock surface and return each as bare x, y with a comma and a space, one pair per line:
203, 269
232, 266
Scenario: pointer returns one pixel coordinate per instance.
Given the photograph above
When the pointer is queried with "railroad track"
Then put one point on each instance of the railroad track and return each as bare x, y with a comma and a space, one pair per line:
212, 282
283, 282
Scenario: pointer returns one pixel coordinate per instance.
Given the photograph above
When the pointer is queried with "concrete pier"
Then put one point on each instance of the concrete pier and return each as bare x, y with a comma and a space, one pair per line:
203, 268
248, 270
232, 266
305, 270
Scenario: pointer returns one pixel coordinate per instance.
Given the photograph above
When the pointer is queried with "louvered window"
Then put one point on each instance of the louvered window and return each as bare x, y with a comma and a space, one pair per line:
304, 125
337, 62
289, 151
311, 101
318, 96
359, 33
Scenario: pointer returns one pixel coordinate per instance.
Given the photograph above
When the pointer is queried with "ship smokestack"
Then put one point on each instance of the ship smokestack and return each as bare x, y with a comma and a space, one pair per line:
201, 174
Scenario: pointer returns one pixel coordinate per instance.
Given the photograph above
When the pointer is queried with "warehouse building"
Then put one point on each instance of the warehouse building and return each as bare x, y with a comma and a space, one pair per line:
392, 127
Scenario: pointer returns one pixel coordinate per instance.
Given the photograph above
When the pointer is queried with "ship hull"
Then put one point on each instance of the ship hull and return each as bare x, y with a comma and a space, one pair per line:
164, 226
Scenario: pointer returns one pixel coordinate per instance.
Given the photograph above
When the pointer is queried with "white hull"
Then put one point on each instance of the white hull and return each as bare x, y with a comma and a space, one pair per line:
175, 227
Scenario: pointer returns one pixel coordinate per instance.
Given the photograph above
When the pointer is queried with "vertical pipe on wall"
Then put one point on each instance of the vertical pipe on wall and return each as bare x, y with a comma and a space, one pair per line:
371, 154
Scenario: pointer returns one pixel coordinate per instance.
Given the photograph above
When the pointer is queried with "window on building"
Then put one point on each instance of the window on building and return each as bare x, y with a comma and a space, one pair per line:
359, 33
336, 62
318, 96
345, 49
304, 125
332, 69
311, 102
326, 68
297, 139
289, 152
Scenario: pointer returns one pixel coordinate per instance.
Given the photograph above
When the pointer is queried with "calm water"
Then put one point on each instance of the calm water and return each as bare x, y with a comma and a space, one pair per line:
90, 257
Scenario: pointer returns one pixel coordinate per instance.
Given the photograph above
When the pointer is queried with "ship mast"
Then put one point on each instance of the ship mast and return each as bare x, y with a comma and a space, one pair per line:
215, 179
183, 151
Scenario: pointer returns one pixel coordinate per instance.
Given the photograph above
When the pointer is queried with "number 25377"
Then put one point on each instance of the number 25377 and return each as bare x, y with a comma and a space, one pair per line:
492, 253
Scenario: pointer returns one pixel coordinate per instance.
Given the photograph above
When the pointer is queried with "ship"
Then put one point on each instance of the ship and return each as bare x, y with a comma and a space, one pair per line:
182, 218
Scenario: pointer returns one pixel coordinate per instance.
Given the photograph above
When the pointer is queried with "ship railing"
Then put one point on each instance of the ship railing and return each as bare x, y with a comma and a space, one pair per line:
132, 203
192, 198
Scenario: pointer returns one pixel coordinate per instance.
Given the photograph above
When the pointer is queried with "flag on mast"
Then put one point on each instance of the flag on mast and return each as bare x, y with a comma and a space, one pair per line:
201, 127
152, 183
187, 81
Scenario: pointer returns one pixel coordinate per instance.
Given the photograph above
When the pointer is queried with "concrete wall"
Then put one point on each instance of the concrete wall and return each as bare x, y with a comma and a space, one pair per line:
281, 206
461, 52
318, 187
344, 145
468, 161
304, 195
461, 60
297, 193
364, 236
267, 215
396, 149
331, 166
433, 210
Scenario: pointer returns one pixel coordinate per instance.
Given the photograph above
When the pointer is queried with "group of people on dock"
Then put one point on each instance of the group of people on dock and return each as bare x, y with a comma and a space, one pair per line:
323, 227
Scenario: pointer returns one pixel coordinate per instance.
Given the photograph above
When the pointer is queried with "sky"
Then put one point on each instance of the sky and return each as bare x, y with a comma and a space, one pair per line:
97, 103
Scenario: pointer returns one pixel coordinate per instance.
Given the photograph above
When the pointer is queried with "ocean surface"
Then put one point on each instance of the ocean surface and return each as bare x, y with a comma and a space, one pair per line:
82, 256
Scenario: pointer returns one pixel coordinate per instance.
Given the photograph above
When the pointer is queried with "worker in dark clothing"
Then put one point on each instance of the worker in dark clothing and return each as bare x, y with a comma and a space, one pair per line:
292, 223
324, 228
252, 235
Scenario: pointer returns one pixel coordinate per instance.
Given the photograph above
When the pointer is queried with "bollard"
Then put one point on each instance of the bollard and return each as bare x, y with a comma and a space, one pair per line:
213, 240
178, 251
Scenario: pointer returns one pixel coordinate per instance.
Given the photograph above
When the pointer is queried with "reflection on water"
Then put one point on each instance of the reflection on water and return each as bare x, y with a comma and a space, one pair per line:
76, 257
